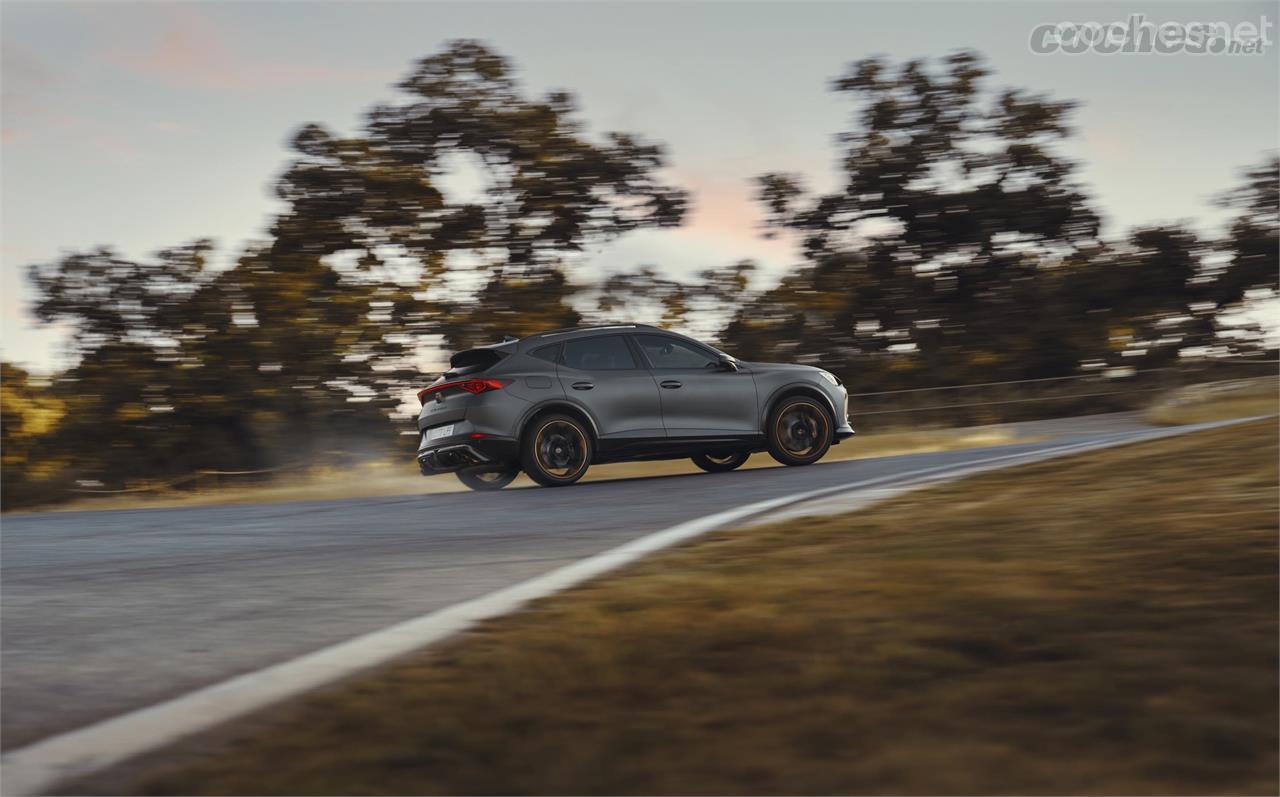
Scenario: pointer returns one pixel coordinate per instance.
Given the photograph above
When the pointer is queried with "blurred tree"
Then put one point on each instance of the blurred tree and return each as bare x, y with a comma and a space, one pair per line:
448, 218
925, 259
700, 305
1250, 255
1254, 241
123, 317
29, 413
959, 248
1139, 293
181, 366
537, 188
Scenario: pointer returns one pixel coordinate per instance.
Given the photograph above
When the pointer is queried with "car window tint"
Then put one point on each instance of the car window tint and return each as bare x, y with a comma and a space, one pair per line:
666, 352
599, 354
549, 353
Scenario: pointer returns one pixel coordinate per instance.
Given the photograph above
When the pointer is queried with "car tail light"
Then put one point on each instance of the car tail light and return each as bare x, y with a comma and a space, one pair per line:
472, 386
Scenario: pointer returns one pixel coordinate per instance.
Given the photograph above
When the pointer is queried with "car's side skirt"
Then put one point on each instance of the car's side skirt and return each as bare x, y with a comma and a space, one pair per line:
649, 448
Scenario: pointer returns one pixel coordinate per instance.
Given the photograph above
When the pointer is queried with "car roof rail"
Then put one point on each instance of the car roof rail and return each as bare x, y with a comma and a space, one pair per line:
590, 328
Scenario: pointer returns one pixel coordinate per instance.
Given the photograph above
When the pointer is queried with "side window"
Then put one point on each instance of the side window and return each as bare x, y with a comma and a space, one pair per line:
599, 354
549, 353
664, 352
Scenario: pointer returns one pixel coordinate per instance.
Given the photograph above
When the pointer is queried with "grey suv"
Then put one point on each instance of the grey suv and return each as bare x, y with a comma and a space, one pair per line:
553, 404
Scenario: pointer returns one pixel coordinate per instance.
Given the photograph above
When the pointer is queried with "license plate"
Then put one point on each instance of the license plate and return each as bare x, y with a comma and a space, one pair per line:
439, 432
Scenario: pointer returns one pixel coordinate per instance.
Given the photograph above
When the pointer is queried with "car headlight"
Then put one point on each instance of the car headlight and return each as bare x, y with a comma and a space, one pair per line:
830, 377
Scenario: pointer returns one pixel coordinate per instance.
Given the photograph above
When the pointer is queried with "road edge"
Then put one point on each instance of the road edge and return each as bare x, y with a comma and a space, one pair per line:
38, 767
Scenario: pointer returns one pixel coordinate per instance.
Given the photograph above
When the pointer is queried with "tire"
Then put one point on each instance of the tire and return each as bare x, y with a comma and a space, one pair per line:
482, 479
720, 463
556, 450
800, 430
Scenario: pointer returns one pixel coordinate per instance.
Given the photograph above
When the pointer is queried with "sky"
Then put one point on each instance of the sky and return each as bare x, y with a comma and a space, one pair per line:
146, 125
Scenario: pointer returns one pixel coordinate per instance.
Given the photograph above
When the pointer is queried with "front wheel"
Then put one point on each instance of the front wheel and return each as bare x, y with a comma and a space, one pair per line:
799, 431
487, 478
719, 463
556, 450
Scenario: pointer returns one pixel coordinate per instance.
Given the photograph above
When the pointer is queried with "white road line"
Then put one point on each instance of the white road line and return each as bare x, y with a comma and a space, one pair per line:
37, 767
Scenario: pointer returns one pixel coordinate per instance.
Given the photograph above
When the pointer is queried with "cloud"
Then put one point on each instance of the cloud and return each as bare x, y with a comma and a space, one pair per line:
1110, 143
190, 52
725, 214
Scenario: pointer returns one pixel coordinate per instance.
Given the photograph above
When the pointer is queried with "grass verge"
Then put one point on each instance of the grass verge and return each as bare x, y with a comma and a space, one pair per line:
1101, 625
1218, 401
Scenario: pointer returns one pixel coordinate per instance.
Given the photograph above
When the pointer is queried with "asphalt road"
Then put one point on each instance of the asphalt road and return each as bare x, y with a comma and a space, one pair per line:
107, 611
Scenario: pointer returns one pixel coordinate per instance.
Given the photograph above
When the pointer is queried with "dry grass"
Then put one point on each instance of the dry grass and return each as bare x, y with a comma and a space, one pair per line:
1218, 401
1099, 625
364, 480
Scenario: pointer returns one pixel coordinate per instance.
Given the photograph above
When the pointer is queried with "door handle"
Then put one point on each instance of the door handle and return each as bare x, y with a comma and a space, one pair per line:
671, 384
582, 385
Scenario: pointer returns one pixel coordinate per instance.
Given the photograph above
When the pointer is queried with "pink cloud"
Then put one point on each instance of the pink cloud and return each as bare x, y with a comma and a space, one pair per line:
726, 213
1111, 143
98, 136
191, 52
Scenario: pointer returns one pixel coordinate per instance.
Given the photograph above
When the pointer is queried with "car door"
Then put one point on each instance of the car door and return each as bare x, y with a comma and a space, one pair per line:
602, 373
699, 398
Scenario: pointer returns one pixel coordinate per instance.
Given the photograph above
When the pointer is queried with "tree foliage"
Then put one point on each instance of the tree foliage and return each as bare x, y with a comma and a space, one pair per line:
308, 341
959, 246
547, 189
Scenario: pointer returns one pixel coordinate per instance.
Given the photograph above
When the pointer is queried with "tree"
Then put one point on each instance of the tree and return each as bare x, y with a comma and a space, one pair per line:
700, 305
307, 343
959, 248
1250, 262
951, 199
547, 189
1254, 240
28, 413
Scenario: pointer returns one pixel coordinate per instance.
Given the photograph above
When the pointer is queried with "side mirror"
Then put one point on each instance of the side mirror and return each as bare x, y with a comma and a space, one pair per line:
727, 363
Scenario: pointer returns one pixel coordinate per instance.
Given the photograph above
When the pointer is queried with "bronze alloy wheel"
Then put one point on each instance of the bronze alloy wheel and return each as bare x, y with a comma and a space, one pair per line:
558, 452
800, 432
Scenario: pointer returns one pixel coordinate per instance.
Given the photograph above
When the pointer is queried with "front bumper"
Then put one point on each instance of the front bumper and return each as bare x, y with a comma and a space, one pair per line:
845, 430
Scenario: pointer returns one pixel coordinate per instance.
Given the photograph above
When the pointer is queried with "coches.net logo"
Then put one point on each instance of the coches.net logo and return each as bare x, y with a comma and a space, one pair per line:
1138, 35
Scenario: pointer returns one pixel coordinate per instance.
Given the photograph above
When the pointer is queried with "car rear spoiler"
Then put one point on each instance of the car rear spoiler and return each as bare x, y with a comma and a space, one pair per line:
473, 361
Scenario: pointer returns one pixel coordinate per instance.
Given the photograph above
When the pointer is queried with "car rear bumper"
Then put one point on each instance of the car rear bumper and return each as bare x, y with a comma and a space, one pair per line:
465, 451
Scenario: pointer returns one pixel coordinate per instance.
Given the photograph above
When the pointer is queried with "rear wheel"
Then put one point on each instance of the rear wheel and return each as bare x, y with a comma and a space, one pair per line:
487, 478
718, 463
556, 450
799, 431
